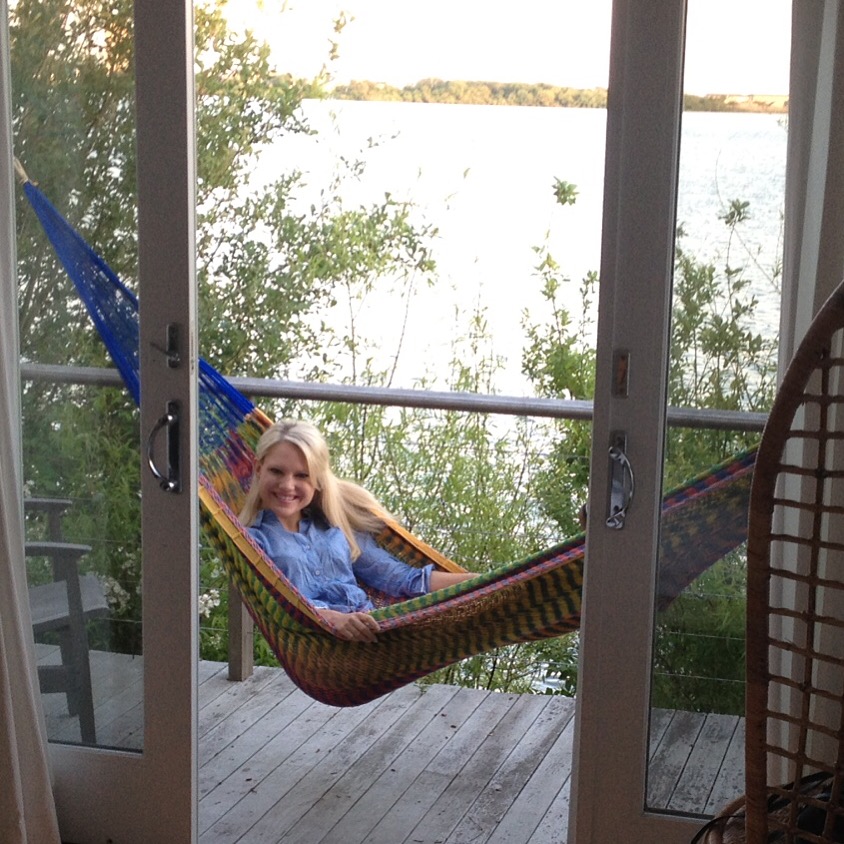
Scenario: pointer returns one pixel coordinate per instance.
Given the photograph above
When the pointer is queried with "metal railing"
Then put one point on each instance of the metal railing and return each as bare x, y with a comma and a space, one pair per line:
240, 624
730, 420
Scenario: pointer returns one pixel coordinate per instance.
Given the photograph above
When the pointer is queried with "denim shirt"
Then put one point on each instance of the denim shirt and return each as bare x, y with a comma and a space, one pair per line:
318, 562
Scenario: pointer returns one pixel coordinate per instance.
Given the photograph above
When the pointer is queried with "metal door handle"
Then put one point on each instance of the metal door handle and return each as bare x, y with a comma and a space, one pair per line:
169, 481
622, 482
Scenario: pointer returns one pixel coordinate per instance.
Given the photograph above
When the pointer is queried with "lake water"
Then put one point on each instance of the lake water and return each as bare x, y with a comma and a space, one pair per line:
484, 175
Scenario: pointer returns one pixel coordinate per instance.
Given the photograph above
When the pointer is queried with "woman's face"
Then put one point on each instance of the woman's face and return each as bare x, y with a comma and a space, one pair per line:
284, 484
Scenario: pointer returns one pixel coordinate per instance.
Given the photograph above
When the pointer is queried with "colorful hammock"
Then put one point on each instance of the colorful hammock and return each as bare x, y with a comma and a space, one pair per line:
531, 599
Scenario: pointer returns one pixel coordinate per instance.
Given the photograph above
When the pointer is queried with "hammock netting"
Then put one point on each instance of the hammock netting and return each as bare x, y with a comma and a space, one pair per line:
531, 599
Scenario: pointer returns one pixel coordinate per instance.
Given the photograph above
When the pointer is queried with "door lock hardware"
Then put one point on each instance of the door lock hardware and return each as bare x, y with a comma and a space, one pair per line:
622, 483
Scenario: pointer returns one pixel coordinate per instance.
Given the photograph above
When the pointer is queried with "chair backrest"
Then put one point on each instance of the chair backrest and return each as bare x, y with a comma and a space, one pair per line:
62, 608
795, 600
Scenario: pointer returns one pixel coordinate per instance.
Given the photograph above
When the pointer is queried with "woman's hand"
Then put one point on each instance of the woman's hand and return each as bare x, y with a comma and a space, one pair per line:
352, 626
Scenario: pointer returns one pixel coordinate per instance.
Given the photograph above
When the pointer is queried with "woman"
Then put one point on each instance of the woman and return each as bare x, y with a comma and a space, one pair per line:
318, 530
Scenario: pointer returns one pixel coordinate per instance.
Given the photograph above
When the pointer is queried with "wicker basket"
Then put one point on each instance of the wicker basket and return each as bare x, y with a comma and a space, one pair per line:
812, 796
725, 828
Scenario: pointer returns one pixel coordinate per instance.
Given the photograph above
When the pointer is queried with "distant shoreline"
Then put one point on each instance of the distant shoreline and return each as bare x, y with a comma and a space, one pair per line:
539, 94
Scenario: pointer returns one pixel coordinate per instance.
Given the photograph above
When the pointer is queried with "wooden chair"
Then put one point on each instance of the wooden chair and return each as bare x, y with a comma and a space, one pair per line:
794, 746
64, 606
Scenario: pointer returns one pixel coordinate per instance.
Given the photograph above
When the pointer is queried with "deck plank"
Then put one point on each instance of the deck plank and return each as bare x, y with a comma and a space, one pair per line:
520, 823
729, 783
422, 765
554, 826
406, 820
116, 685
245, 789
459, 798
233, 740
671, 755
379, 760
294, 770
239, 707
547, 721
704, 763
397, 786
660, 719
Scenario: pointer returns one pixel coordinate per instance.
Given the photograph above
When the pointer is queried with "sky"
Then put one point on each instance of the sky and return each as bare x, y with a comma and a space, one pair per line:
733, 46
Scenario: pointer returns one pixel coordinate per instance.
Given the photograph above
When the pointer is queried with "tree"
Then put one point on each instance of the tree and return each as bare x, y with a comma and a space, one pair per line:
559, 359
719, 359
463, 483
265, 271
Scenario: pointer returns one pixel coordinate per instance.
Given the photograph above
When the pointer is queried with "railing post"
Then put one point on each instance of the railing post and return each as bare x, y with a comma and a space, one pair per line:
241, 629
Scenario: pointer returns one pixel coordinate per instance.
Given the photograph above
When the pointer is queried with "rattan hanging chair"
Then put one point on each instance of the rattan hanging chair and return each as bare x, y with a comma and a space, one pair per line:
794, 752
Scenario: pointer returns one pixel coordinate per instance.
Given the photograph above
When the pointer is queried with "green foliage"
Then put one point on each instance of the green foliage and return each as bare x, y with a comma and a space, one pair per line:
461, 482
266, 272
71, 79
525, 94
565, 192
720, 359
465, 484
546, 667
458, 480
699, 652
83, 443
474, 93
559, 359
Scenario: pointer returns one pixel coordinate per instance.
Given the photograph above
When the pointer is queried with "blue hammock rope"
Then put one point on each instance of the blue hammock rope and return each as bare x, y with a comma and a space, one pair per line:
114, 310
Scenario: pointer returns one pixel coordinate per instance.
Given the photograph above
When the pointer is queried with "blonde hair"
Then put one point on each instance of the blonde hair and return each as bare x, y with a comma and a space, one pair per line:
344, 504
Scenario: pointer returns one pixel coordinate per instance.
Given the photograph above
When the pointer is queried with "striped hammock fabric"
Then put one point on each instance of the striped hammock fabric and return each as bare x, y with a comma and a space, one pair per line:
535, 598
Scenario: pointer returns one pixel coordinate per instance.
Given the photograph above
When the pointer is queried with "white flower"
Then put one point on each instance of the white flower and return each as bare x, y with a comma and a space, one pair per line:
207, 601
116, 595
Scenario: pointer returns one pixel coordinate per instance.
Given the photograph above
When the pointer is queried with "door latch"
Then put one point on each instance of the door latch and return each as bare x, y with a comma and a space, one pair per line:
622, 483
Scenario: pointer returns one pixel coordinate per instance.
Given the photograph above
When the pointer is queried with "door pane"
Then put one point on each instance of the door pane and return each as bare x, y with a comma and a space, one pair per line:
499, 168
725, 319
74, 135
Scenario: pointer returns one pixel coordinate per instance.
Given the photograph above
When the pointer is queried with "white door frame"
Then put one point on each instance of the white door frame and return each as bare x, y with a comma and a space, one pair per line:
152, 796
640, 187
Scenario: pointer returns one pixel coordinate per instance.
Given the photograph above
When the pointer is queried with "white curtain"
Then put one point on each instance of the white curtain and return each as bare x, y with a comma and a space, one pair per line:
27, 810
813, 260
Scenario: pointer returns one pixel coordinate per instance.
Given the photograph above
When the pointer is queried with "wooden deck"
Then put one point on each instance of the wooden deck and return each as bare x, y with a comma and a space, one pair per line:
423, 765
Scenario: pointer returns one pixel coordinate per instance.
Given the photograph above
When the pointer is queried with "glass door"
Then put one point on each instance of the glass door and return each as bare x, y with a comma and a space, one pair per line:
725, 316
625, 487
658, 746
103, 124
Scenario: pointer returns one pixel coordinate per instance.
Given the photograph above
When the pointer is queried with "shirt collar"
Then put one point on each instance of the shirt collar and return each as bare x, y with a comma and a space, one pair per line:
268, 517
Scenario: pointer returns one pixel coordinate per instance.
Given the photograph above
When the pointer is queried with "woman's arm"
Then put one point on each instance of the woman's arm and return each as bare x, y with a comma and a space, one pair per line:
379, 569
441, 579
